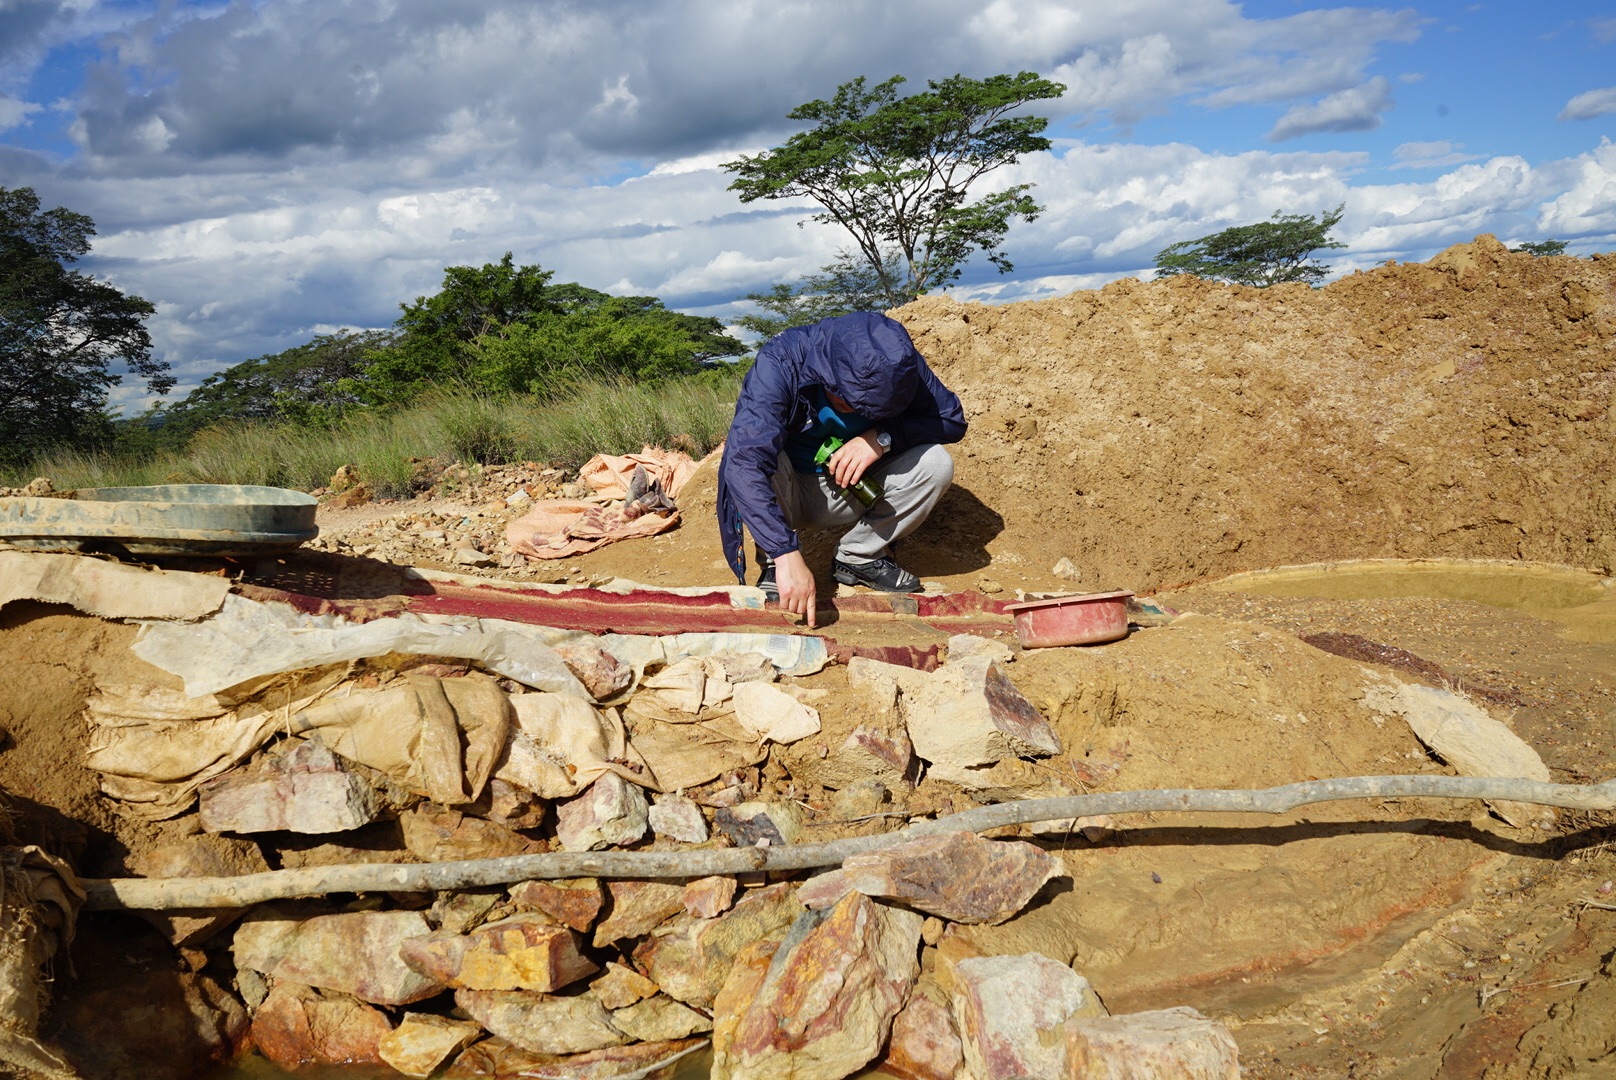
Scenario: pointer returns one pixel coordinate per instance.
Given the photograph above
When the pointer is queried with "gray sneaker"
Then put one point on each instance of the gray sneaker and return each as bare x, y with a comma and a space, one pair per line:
882, 574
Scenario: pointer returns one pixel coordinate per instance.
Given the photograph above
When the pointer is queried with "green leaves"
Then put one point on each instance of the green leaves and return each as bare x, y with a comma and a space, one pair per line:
896, 171
1541, 248
1267, 253
502, 328
60, 332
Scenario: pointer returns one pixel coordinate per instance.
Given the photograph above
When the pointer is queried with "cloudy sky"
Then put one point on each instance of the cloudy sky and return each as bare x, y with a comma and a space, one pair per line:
264, 171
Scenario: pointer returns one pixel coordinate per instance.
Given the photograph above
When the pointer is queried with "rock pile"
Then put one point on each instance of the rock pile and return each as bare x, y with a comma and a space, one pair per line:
397, 758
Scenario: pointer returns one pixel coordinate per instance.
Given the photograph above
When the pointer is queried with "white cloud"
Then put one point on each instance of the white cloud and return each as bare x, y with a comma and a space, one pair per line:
1430, 155
1588, 205
1592, 103
1604, 29
1355, 109
14, 112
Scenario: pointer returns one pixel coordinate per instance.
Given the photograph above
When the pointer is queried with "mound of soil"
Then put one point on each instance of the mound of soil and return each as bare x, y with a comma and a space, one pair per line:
1167, 432
1164, 432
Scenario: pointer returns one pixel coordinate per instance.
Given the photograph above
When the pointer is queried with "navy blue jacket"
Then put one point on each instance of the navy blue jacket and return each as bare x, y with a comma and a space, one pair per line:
864, 358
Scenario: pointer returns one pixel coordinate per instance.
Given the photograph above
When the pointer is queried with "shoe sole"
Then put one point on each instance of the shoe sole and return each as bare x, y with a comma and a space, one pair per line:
847, 577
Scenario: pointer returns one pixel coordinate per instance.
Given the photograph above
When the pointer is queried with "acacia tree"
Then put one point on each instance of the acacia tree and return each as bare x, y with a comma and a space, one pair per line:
846, 285
1267, 253
1541, 248
60, 332
895, 172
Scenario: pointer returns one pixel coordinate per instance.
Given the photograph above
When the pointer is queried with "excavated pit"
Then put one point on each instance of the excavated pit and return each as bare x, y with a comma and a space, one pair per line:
1186, 438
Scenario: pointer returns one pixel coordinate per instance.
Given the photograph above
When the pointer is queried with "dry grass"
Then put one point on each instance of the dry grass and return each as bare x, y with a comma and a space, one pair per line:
601, 417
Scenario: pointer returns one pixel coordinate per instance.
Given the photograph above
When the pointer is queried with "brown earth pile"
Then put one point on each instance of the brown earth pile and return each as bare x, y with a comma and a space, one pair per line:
1167, 432
1164, 432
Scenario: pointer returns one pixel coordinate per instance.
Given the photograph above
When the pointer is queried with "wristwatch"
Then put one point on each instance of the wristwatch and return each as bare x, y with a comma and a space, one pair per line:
883, 440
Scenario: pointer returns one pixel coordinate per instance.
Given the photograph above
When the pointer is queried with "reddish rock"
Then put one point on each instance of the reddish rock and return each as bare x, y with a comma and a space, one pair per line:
675, 817
638, 907
969, 715
422, 1042
514, 807
611, 811
825, 1008
1012, 1013
621, 986
868, 753
542, 1023
524, 952
497, 1059
709, 897
307, 790
958, 876
573, 902
436, 834
203, 855
355, 953
1168, 1044
924, 1044
690, 958
740, 989
602, 674
298, 1026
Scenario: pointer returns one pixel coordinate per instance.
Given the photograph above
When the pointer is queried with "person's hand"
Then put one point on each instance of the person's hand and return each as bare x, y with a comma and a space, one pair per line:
847, 464
796, 584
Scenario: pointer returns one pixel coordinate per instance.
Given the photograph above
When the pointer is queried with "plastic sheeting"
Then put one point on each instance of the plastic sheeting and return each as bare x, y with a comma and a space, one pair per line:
562, 745
248, 640
436, 737
108, 589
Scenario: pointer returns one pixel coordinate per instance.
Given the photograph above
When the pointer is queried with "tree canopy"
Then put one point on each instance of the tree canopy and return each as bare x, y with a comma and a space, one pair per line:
1267, 253
504, 328
1541, 248
896, 172
313, 383
61, 332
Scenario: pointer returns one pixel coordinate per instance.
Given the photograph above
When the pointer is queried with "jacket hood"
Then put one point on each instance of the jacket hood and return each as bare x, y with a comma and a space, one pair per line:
868, 360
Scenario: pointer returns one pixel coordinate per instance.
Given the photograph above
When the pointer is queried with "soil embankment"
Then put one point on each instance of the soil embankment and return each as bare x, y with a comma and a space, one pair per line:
1168, 432
1165, 433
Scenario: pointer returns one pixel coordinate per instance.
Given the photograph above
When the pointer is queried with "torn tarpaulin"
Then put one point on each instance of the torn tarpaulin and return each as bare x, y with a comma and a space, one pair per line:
437, 737
247, 640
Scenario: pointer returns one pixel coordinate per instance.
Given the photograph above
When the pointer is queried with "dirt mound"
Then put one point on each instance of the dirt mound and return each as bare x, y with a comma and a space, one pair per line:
1165, 432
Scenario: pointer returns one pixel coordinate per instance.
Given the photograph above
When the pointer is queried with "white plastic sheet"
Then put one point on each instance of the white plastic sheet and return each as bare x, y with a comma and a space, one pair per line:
248, 640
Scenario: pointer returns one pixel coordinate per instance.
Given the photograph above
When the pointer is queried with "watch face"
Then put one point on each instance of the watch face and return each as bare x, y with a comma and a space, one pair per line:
884, 439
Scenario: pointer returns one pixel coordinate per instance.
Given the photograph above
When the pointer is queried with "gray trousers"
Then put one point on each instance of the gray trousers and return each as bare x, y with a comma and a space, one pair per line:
912, 481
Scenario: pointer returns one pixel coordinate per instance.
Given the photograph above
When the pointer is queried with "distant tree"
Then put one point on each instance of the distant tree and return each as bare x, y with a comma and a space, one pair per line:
1267, 253
312, 384
1541, 247
849, 284
895, 172
504, 328
60, 333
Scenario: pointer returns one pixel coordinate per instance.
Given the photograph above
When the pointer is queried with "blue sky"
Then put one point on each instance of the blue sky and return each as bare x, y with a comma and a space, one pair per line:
266, 171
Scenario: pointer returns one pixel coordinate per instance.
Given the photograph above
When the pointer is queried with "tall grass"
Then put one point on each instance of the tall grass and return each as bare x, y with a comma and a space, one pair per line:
567, 430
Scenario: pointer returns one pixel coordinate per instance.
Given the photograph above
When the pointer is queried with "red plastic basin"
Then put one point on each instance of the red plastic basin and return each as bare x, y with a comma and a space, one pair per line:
1088, 619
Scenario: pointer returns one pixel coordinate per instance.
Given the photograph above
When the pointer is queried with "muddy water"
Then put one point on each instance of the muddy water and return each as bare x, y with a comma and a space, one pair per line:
1582, 601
